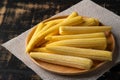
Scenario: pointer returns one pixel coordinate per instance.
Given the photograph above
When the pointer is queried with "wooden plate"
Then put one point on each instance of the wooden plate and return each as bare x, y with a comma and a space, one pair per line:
63, 70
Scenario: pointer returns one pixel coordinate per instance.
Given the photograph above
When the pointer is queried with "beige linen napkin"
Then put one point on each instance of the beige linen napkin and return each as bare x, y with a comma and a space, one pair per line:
87, 8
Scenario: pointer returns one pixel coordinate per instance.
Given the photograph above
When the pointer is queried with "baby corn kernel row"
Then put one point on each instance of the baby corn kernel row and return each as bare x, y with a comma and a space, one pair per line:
72, 41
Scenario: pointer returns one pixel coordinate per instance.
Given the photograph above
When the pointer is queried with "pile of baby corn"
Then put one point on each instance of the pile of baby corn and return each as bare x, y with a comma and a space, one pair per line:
74, 41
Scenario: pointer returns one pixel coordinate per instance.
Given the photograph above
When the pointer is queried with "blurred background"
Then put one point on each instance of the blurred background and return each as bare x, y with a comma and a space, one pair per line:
17, 16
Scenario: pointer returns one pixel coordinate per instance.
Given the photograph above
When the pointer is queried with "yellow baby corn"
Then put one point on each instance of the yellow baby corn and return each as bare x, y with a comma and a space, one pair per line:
95, 43
46, 27
81, 52
76, 62
83, 30
76, 36
90, 22
72, 21
73, 14
39, 28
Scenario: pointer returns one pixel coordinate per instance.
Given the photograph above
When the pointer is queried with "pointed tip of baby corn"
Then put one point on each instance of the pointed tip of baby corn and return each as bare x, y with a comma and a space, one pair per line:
73, 14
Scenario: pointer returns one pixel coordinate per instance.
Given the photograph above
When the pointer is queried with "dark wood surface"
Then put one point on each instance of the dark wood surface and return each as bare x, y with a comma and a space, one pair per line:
16, 16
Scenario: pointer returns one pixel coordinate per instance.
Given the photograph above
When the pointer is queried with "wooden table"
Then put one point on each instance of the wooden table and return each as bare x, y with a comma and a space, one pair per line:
16, 16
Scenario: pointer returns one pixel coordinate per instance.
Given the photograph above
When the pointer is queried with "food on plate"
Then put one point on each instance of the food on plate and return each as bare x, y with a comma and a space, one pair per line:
66, 22
71, 41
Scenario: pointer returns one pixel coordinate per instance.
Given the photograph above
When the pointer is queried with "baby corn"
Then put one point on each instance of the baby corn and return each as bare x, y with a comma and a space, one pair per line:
90, 22
72, 21
46, 27
39, 28
95, 43
81, 52
73, 14
76, 36
83, 30
76, 62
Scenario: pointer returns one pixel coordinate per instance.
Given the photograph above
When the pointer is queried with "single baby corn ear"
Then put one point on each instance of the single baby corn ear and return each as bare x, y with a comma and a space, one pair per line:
90, 22
94, 43
75, 36
83, 30
76, 62
81, 52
